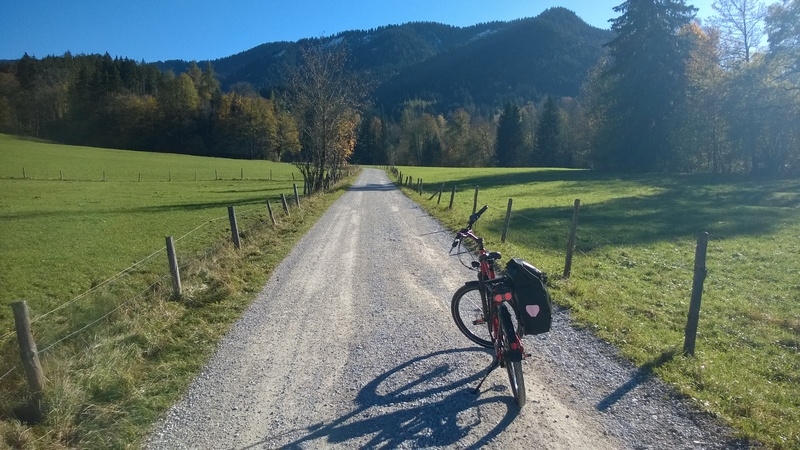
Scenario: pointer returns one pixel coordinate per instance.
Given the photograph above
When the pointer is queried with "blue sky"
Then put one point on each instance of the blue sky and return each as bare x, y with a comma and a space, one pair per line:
153, 30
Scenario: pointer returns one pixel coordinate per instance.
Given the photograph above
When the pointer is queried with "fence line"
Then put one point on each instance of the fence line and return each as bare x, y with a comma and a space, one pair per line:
209, 250
184, 176
699, 259
99, 319
120, 274
100, 285
200, 226
516, 214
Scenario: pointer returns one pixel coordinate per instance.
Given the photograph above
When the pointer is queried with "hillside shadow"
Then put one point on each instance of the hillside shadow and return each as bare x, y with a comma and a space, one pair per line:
430, 413
222, 205
374, 187
683, 206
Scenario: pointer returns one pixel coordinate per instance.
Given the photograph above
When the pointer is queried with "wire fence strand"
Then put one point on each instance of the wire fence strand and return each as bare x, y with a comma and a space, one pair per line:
204, 254
103, 317
9, 372
99, 285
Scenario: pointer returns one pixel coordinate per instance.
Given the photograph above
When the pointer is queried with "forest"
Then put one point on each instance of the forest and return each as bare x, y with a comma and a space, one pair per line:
660, 92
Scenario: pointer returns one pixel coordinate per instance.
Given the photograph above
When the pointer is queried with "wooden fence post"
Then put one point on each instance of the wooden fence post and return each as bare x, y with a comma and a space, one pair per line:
23, 173
440, 194
475, 201
27, 348
216, 177
285, 206
508, 219
571, 240
296, 197
173, 268
241, 173
697, 293
271, 216
234, 227
452, 196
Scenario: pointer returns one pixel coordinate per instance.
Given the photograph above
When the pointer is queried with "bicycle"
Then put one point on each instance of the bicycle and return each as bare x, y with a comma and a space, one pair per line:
494, 312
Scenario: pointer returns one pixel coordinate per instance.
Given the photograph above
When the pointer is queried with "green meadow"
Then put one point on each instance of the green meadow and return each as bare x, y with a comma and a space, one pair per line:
84, 245
632, 272
62, 237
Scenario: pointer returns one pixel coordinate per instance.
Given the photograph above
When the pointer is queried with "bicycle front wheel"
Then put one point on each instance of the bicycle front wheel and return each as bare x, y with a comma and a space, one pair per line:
467, 310
512, 355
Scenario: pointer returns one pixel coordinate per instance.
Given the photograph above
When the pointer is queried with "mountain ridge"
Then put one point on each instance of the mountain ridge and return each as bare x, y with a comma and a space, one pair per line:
487, 63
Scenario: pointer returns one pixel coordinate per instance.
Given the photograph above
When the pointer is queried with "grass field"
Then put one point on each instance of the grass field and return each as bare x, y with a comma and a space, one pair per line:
88, 257
63, 237
632, 274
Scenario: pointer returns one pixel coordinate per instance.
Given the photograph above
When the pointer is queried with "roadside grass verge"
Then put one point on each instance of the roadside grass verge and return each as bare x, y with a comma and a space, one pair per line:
633, 267
88, 258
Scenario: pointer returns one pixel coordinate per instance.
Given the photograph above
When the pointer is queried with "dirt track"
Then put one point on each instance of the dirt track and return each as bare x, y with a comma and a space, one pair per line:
351, 344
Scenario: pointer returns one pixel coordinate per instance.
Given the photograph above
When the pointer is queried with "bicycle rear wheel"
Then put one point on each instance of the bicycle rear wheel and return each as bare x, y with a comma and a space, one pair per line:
512, 354
467, 310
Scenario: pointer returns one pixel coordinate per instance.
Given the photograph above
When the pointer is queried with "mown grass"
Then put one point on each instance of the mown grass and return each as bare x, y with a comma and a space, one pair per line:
88, 258
633, 268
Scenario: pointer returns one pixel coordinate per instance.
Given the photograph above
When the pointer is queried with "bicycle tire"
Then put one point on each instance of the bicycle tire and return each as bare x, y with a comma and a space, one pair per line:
512, 358
466, 308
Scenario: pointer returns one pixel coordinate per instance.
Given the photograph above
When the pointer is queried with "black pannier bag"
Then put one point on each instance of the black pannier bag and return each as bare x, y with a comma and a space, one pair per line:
531, 298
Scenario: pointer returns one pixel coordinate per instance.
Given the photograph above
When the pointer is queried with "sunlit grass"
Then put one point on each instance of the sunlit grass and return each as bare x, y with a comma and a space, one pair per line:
633, 269
88, 256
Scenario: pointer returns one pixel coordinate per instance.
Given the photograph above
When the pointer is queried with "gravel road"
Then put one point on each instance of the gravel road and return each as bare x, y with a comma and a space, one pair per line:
351, 344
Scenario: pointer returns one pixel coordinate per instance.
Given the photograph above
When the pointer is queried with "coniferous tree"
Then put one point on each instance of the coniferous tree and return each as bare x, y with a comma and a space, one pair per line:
783, 29
510, 143
548, 149
647, 73
370, 147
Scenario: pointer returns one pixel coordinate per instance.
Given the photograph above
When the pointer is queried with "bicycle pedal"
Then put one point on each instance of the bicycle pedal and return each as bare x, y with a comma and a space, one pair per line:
479, 321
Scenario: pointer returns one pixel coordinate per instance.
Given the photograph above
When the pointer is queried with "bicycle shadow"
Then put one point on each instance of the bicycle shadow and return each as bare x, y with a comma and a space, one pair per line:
433, 411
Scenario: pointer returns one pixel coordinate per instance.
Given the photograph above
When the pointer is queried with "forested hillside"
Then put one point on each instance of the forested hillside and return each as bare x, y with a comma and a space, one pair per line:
480, 66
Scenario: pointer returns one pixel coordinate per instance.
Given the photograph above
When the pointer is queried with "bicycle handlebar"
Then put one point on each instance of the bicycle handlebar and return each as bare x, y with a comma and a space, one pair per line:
468, 230
474, 217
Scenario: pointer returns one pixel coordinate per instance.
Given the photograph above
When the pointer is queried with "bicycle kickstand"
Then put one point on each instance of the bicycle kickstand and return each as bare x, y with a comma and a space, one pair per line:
494, 365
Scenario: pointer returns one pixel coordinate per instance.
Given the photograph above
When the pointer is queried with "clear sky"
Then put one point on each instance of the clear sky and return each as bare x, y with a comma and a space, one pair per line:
157, 30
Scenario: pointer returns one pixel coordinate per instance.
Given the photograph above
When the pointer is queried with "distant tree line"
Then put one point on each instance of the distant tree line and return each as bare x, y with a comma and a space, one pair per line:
670, 94
118, 103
